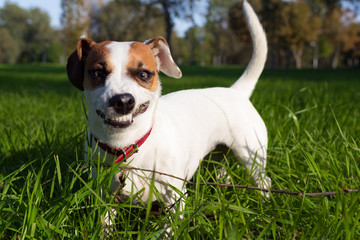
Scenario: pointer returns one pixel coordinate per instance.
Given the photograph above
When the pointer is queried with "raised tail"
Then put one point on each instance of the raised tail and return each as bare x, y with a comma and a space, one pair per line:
247, 81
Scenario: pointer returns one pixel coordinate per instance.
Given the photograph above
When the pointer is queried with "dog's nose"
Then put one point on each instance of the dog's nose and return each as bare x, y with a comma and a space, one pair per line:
122, 103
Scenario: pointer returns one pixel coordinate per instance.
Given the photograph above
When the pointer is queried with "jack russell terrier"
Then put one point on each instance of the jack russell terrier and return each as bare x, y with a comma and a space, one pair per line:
129, 120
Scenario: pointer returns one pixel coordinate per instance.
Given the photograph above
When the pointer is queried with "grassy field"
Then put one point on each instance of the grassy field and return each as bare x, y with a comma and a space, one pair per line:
313, 120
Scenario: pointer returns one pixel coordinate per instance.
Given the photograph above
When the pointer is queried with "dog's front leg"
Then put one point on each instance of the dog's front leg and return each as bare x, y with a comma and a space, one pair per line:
175, 207
108, 220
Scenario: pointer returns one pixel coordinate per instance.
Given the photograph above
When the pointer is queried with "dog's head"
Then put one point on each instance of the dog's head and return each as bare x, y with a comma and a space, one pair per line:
121, 83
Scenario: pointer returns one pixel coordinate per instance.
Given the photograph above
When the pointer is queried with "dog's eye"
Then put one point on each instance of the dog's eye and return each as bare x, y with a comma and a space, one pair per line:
144, 75
98, 73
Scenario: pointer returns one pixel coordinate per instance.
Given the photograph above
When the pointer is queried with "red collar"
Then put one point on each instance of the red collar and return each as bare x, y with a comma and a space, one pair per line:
126, 152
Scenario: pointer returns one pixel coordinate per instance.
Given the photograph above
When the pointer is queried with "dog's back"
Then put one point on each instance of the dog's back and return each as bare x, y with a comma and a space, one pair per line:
222, 115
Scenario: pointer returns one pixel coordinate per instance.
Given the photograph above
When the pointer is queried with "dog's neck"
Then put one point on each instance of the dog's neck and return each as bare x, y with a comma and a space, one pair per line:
123, 153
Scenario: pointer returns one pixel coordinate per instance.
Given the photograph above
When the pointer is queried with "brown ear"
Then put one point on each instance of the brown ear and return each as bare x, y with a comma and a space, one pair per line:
164, 60
75, 62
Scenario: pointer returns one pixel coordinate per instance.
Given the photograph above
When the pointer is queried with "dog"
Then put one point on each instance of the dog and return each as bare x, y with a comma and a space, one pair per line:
130, 122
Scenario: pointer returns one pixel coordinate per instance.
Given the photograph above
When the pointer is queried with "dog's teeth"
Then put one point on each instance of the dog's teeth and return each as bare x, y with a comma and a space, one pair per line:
125, 118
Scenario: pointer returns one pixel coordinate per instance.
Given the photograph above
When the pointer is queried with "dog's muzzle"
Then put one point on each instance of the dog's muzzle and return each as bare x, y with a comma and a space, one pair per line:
120, 112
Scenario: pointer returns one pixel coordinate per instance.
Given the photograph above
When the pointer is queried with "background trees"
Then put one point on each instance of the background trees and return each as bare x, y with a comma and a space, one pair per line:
9, 49
172, 9
308, 33
26, 36
298, 27
124, 21
75, 19
301, 33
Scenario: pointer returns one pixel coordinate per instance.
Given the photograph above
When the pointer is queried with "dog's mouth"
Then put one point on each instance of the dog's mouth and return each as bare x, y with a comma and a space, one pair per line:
122, 121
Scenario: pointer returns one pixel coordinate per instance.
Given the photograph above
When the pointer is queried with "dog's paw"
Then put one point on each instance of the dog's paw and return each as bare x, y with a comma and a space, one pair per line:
265, 184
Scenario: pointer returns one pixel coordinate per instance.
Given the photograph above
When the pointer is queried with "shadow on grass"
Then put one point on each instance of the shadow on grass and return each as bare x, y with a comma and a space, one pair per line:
66, 150
35, 79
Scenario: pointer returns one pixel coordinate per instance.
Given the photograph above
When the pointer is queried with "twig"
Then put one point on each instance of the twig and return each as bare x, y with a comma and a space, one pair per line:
299, 194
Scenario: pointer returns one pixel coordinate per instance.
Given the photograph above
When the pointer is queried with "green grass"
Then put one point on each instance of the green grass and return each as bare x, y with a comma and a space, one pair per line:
314, 146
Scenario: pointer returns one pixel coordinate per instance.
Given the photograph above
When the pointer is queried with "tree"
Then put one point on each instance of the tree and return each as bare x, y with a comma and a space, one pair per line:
333, 30
38, 36
55, 51
351, 45
172, 9
75, 20
239, 27
29, 31
180, 53
326, 47
14, 19
124, 21
194, 44
237, 21
220, 43
299, 27
9, 49
271, 19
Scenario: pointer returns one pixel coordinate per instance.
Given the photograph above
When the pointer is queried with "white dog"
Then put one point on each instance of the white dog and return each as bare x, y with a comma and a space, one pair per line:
172, 133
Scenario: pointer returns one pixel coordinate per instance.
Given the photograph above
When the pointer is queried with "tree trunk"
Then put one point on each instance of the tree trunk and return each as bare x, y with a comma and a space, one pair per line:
316, 56
335, 59
298, 58
168, 20
287, 59
272, 59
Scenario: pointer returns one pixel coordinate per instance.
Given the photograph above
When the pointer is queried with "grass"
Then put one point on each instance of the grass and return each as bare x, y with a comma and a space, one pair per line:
314, 146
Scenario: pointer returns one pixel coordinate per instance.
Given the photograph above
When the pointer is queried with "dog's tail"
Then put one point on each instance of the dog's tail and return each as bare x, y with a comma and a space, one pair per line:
247, 81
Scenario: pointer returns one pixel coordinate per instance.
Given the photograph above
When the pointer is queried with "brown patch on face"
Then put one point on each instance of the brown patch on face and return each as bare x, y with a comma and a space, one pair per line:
97, 66
142, 66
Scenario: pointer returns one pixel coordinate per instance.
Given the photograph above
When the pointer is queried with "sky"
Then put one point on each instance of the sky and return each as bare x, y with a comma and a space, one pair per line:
53, 8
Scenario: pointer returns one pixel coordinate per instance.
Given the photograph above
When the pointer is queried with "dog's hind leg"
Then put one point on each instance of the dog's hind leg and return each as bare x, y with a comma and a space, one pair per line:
253, 156
255, 162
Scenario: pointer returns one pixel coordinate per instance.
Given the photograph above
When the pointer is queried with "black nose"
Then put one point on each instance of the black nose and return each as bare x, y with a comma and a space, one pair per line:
122, 103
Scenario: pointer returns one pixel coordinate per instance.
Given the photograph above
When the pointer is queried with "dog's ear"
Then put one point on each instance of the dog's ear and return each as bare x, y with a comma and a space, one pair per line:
75, 63
163, 58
